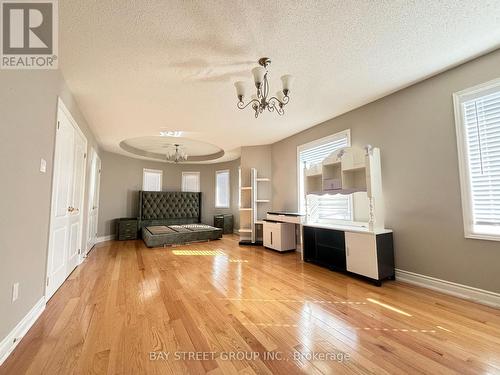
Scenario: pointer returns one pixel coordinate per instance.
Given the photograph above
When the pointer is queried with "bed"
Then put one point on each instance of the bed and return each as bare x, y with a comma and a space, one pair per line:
171, 218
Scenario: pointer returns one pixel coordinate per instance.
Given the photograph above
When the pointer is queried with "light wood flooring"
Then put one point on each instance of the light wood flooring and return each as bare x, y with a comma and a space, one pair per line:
220, 308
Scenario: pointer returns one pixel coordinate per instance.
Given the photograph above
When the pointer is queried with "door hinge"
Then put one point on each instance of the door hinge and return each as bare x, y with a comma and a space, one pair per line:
79, 251
99, 171
58, 124
85, 156
47, 281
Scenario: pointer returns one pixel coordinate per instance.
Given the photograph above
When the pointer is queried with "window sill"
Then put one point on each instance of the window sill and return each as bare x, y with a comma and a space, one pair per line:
488, 237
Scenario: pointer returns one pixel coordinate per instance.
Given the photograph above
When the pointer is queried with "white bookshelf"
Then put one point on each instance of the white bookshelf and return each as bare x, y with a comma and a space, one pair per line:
249, 210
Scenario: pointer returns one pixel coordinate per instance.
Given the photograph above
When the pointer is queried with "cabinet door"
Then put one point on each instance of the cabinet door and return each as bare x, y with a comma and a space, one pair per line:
266, 235
309, 243
361, 252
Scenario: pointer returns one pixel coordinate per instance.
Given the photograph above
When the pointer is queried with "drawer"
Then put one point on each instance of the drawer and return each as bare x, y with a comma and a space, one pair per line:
285, 218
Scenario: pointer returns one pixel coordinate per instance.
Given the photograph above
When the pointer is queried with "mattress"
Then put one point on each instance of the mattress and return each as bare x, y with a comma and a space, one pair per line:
161, 235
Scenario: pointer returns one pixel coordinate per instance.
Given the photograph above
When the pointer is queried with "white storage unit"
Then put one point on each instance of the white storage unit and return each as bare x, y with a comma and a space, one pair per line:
249, 212
279, 236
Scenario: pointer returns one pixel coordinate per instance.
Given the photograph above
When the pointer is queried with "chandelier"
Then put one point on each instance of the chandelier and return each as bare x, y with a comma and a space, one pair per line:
261, 100
177, 155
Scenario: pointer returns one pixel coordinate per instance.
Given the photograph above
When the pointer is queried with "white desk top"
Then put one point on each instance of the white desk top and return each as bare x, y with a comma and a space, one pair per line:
347, 228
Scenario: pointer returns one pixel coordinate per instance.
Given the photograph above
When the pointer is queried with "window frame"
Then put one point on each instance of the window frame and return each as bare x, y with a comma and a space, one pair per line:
186, 173
317, 142
157, 171
459, 98
228, 188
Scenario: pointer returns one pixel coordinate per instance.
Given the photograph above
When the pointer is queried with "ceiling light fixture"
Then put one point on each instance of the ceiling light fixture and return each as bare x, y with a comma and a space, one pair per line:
260, 101
177, 155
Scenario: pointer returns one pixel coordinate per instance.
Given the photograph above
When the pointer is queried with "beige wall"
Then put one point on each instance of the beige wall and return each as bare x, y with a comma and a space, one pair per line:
415, 131
28, 107
121, 179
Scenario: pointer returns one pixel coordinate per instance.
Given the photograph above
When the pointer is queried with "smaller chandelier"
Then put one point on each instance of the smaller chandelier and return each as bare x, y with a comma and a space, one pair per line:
261, 100
177, 155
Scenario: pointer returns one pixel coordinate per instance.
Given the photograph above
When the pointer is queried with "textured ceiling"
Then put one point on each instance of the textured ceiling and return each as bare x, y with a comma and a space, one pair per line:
139, 67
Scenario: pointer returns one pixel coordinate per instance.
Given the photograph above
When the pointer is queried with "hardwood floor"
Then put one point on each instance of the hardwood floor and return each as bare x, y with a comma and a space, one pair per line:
247, 310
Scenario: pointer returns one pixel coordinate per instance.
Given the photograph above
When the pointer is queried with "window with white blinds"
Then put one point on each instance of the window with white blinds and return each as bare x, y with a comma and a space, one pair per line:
478, 135
191, 181
323, 208
222, 187
152, 180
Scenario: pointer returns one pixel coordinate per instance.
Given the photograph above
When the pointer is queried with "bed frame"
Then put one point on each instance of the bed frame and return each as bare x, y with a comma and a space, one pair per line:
179, 211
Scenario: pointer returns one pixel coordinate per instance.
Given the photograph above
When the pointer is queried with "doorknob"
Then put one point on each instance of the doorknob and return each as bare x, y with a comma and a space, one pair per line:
70, 209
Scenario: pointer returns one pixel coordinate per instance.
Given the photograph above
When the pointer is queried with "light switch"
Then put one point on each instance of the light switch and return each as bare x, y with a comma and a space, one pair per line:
43, 165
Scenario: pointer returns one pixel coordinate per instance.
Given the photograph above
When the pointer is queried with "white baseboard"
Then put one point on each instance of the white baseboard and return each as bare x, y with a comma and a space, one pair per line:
9, 343
105, 238
484, 297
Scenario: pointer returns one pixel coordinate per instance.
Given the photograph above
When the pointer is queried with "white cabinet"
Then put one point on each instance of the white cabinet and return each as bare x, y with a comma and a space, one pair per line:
279, 236
361, 254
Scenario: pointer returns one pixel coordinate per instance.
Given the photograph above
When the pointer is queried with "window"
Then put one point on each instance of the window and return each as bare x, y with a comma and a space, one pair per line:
477, 119
191, 181
151, 180
222, 189
323, 208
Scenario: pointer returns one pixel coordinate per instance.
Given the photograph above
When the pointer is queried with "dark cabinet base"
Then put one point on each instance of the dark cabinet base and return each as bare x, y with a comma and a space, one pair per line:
327, 248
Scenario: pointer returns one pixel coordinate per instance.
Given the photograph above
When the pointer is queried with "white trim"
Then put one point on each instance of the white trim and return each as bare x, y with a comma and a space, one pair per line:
329, 138
110, 237
482, 296
10, 342
465, 188
228, 190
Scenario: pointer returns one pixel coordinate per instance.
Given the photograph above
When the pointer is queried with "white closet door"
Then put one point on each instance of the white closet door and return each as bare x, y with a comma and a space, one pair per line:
65, 235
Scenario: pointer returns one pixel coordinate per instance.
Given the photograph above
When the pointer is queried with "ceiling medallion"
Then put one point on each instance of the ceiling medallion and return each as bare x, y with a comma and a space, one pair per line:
177, 155
260, 101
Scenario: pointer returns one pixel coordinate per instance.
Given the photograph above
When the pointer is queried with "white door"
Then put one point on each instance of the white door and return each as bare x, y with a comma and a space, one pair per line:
361, 254
95, 180
67, 201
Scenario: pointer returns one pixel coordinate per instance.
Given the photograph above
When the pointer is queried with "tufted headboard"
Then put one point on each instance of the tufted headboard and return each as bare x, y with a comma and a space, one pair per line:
169, 207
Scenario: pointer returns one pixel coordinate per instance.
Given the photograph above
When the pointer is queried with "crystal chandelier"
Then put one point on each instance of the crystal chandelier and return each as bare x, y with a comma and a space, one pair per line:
177, 155
261, 100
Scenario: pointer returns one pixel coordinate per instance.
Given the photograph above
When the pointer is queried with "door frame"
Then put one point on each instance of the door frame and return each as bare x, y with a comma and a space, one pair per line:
61, 106
94, 156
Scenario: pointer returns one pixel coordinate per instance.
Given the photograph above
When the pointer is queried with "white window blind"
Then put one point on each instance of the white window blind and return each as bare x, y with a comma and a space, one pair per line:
191, 181
323, 208
222, 187
151, 180
481, 139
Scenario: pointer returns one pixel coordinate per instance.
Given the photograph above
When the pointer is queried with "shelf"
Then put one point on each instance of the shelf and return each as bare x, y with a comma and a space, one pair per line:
262, 200
245, 209
263, 179
245, 230
246, 188
259, 222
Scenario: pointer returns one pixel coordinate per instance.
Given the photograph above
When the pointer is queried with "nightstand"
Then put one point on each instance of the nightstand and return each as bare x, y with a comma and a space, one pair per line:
126, 229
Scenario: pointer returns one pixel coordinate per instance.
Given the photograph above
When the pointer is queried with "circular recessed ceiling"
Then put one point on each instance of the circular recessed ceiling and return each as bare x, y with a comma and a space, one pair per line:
158, 147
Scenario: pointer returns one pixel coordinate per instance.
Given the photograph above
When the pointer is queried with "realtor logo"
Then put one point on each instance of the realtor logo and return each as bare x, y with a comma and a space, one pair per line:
29, 34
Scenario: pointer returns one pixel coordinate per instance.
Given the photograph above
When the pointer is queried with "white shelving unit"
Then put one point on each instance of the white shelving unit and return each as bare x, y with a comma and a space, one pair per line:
349, 171
249, 211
